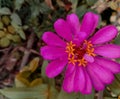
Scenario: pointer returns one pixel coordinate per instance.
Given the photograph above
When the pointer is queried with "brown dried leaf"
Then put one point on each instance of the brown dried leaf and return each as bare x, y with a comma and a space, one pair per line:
36, 82
34, 64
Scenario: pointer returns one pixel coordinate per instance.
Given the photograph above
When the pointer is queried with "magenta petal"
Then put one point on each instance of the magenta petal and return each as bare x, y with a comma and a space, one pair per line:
79, 38
63, 29
104, 35
70, 69
109, 50
88, 88
110, 65
89, 23
80, 80
68, 83
55, 67
52, 39
74, 23
97, 83
50, 52
104, 75
89, 58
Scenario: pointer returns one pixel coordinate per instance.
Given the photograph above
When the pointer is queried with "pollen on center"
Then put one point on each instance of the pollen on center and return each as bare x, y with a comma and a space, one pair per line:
76, 53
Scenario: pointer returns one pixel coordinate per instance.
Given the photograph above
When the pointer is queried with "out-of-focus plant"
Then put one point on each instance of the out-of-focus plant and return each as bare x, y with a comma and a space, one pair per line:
8, 33
11, 30
29, 84
37, 16
28, 76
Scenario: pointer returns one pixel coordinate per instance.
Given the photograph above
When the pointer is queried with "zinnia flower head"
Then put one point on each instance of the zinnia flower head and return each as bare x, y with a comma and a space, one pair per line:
86, 57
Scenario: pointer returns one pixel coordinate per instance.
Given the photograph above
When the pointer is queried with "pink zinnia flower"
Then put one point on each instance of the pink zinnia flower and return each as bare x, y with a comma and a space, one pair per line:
88, 57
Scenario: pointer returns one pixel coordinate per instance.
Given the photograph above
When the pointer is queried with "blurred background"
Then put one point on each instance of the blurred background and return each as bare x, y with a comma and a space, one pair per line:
22, 23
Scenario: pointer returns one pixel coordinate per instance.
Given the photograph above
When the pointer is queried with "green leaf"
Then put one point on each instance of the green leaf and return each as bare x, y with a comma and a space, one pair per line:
19, 30
4, 42
5, 11
91, 2
53, 93
18, 4
80, 11
90, 96
45, 78
16, 19
115, 86
117, 39
26, 93
64, 95
44, 8
110, 98
19, 83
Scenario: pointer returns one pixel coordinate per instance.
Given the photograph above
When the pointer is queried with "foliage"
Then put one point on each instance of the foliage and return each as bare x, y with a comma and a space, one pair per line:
22, 23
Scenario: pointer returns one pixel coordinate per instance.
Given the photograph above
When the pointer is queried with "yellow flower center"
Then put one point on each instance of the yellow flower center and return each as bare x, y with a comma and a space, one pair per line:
76, 54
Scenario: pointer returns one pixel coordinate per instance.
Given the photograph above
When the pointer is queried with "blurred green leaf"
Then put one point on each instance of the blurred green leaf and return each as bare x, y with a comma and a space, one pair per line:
16, 39
115, 86
19, 83
110, 98
91, 2
44, 8
80, 11
90, 96
7, 3
4, 42
16, 19
53, 93
5, 11
19, 30
26, 93
117, 39
64, 95
45, 78
18, 4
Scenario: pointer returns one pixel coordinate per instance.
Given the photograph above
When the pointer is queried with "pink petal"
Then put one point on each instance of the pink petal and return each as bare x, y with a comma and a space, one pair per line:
70, 69
88, 88
110, 65
89, 58
109, 50
104, 35
74, 23
50, 52
104, 75
80, 80
55, 67
63, 29
68, 83
97, 83
52, 39
89, 23
79, 38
